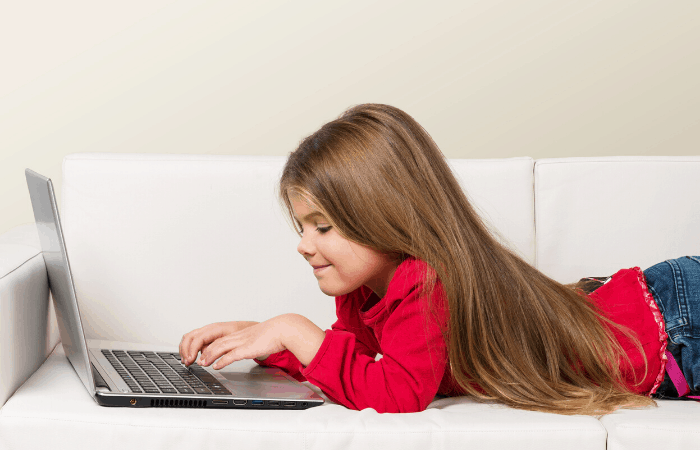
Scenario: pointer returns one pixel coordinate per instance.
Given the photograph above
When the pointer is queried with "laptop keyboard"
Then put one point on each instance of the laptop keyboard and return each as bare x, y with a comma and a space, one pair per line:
156, 372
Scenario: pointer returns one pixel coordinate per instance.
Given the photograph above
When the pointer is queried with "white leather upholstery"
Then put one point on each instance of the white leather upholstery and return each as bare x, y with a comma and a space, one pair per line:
28, 331
595, 216
160, 244
673, 425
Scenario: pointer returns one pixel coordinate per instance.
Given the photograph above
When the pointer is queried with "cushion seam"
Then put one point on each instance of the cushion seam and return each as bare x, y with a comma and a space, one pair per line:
21, 265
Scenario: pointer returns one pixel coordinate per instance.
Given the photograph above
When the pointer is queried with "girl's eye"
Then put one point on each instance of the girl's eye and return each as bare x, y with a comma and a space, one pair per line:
323, 230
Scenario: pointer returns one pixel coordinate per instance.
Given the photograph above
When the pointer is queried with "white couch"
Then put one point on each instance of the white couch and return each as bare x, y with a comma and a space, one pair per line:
161, 244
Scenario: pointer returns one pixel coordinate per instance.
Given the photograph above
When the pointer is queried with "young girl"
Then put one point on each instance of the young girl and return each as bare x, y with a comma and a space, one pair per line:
418, 278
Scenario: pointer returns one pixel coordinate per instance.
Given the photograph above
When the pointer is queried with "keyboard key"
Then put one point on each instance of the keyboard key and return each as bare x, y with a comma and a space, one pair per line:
221, 392
185, 391
202, 390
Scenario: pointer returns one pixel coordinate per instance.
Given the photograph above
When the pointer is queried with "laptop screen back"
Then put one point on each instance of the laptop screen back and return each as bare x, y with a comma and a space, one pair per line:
60, 281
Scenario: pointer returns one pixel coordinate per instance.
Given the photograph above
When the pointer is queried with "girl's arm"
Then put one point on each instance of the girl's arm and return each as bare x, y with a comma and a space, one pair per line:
288, 361
302, 337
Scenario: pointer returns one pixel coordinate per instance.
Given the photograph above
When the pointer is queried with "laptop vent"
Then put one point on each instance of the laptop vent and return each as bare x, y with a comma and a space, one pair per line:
177, 403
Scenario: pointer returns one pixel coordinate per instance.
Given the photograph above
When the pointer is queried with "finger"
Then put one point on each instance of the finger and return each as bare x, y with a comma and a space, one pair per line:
198, 340
185, 343
213, 351
179, 349
226, 359
201, 353
218, 348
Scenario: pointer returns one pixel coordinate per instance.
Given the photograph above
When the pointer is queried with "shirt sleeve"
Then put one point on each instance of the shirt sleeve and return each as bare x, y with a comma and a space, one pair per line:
405, 379
286, 361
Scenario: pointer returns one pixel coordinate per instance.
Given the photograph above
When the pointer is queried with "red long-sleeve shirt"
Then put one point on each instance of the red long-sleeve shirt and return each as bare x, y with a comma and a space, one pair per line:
414, 366
414, 356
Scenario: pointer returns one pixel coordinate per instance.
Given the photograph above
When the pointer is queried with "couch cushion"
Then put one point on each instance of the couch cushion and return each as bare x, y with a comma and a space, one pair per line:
595, 216
674, 424
53, 409
162, 244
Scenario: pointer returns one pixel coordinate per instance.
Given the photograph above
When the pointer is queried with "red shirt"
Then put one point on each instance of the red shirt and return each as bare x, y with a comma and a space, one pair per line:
414, 366
412, 369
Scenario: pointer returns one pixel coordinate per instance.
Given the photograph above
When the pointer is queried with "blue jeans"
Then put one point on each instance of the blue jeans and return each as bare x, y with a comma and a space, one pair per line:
675, 285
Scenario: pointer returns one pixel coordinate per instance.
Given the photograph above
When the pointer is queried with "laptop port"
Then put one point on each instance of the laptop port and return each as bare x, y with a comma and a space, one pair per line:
273, 403
289, 404
219, 402
240, 402
257, 402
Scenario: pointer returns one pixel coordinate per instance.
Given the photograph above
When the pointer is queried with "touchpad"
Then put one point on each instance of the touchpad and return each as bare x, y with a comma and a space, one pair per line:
260, 377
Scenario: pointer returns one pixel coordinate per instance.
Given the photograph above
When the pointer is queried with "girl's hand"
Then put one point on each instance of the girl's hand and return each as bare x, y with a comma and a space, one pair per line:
200, 339
254, 341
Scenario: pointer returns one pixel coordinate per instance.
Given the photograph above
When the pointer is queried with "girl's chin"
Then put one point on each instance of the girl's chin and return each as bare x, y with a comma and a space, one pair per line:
332, 291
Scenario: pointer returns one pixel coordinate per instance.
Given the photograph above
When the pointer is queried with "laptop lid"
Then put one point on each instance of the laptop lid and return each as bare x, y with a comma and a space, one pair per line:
60, 281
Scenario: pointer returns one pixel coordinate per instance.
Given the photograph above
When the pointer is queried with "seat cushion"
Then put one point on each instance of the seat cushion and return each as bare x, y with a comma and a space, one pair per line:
53, 409
674, 424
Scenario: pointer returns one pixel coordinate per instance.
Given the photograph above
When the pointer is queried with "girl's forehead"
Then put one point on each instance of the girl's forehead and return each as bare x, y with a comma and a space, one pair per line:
303, 207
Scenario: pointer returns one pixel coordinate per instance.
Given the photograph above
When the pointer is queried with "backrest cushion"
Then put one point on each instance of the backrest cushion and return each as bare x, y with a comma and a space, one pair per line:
162, 244
595, 216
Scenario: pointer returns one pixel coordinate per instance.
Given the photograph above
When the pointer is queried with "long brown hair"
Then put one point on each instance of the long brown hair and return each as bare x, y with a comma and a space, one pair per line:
527, 340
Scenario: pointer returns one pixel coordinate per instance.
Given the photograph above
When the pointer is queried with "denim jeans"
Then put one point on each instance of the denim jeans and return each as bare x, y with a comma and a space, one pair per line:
675, 285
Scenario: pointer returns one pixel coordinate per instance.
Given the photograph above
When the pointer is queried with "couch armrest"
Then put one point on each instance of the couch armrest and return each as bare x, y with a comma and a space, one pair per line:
28, 330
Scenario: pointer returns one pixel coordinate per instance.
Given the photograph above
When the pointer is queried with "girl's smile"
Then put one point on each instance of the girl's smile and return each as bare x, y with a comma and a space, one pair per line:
318, 269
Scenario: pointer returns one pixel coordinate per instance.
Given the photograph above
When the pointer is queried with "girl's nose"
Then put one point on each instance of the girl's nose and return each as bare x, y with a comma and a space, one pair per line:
305, 247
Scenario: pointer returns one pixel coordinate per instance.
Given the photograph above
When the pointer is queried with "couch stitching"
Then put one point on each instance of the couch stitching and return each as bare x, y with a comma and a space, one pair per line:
21, 265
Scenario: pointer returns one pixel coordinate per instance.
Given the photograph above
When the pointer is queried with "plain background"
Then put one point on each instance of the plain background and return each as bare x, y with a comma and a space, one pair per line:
486, 78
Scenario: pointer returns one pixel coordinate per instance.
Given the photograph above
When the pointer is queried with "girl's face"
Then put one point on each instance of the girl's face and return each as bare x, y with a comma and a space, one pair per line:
341, 266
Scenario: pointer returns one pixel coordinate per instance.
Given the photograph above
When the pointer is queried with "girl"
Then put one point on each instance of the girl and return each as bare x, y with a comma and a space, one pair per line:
418, 278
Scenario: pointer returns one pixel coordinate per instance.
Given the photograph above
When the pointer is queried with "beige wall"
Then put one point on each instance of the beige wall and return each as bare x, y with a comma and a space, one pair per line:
487, 78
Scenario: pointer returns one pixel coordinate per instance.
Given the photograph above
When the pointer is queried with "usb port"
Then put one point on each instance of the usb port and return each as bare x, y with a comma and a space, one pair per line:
257, 402
219, 402
273, 403
240, 402
290, 404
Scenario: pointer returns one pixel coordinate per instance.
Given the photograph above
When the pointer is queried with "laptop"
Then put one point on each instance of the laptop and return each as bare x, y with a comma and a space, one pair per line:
116, 374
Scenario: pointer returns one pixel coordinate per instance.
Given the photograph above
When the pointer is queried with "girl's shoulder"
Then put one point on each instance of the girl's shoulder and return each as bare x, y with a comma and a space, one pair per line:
409, 275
